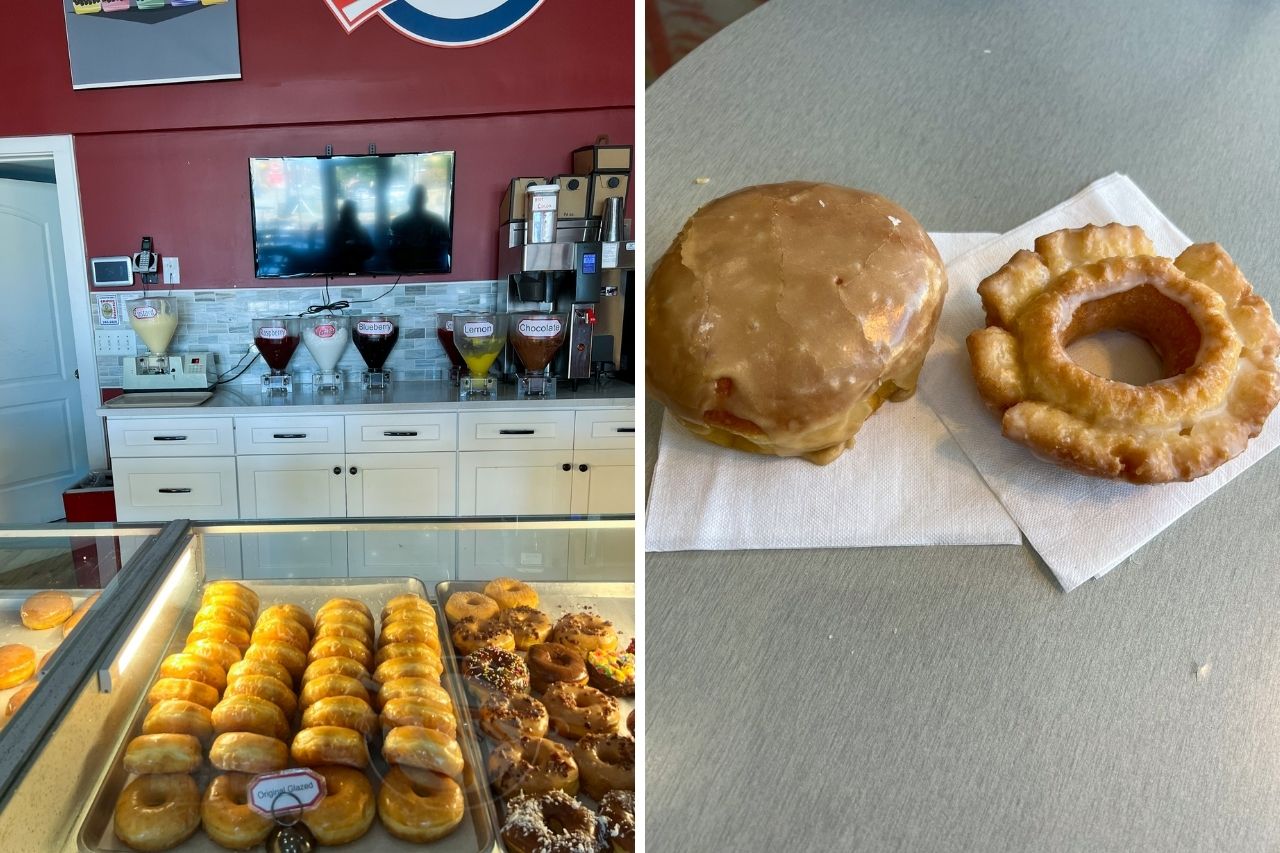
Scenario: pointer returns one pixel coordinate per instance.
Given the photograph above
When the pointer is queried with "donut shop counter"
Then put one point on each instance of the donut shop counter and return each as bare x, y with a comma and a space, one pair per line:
381, 713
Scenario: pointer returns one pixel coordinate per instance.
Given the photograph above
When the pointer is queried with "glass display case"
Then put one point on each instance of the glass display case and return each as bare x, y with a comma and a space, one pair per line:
76, 762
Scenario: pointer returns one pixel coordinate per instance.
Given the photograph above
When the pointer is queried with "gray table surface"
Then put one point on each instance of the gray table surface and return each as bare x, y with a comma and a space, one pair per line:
955, 698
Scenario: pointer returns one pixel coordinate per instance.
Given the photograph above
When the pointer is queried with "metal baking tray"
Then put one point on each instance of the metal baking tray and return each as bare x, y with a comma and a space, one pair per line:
478, 830
13, 631
614, 601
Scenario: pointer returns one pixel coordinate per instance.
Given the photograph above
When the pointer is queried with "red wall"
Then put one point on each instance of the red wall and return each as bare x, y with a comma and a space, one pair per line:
515, 106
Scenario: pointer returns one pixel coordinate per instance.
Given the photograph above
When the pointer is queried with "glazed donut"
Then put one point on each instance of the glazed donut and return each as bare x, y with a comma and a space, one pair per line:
408, 668
407, 602
165, 753
280, 630
505, 717
420, 687
612, 672
321, 745
282, 653
265, 687
528, 625
345, 604
532, 766
552, 662
195, 668
17, 664
235, 602
406, 651
234, 589
586, 632
81, 612
290, 611
470, 634
426, 749
406, 631
341, 647
227, 817
179, 717
416, 711
46, 610
419, 808
331, 685
1215, 336
259, 667
183, 688
618, 813
348, 712
606, 762
19, 698
158, 811
463, 604
489, 670
577, 710
346, 615
247, 752
222, 653
348, 628
509, 593
220, 614
250, 714
553, 822
335, 666
347, 809
237, 637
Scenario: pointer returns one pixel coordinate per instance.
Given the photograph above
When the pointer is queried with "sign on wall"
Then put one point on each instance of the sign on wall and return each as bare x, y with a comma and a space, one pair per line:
143, 42
443, 23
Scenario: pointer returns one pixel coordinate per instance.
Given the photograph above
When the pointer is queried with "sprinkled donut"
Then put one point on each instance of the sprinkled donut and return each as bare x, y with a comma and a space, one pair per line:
551, 823
489, 670
532, 766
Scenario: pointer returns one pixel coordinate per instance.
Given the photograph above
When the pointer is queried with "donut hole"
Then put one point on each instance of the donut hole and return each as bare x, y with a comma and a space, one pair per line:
1137, 337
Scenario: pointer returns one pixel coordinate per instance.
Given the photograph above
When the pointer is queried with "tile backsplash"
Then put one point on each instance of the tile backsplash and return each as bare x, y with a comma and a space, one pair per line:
217, 321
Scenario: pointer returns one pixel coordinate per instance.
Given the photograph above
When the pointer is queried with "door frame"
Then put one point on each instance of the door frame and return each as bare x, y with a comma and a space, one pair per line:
61, 149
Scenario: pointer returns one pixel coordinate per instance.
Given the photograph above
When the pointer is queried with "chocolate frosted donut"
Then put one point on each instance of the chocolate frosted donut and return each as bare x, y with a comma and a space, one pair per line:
489, 670
552, 662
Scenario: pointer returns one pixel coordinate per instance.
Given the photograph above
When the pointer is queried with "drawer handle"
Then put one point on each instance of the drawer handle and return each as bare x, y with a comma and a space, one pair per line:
354, 470
289, 435
168, 438
337, 469
174, 491
405, 434
625, 429
566, 467
516, 431
582, 467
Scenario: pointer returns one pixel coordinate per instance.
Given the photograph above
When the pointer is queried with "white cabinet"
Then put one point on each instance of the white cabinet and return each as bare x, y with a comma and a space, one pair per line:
401, 433
312, 485
400, 484
522, 430
167, 488
156, 437
289, 434
515, 482
604, 482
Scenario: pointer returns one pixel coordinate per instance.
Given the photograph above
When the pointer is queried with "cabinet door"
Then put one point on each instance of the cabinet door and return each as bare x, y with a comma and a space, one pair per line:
398, 484
604, 482
165, 489
301, 486
515, 482
426, 555
541, 555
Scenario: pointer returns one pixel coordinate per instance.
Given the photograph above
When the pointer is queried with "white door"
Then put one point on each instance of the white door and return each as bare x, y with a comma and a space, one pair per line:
398, 484
603, 484
42, 439
514, 482
306, 485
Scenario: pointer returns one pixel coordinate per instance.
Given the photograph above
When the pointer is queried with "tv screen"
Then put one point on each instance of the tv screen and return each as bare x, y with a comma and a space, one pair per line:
385, 214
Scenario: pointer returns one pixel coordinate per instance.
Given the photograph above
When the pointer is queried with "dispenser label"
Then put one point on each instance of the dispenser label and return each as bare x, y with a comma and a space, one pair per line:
272, 333
448, 325
542, 202
547, 328
383, 327
328, 330
477, 330
286, 791
144, 312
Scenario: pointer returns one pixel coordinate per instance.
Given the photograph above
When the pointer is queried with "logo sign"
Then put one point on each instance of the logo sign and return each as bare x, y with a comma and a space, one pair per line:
539, 328
272, 333
144, 312
286, 791
442, 23
368, 327
477, 330
328, 330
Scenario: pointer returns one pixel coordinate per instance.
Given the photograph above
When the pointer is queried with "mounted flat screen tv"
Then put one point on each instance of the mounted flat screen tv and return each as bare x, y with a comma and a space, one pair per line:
384, 214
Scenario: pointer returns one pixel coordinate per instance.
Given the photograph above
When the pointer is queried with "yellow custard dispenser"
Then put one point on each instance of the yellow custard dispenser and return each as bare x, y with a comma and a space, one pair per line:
480, 338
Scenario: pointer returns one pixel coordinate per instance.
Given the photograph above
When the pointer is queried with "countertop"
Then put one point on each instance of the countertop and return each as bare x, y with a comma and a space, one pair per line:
932, 699
399, 398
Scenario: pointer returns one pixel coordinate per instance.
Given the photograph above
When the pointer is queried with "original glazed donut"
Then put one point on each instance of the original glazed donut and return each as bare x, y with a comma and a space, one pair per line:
345, 604
505, 717
232, 589
347, 809
250, 714
331, 685
1215, 336
612, 672
489, 670
532, 766
407, 602
341, 647
179, 717
19, 698
237, 637
290, 611
408, 668
335, 666
195, 668
406, 651
158, 811
618, 812
409, 631
235, 602
321, 745
281, 630
259, 667
463, 604
552, 662
420, 687
282, 653
470, 634
47, 609
577, 710
606, 762
348, 712
419, 808
509, 593
553, 822
222, 653
344, 613
528, 625
426, 749
586, 632
227, 817
265, 687
17, 664
246, 752
81, 612
416, 711
182, 688
166, 753
348, 628
222, 615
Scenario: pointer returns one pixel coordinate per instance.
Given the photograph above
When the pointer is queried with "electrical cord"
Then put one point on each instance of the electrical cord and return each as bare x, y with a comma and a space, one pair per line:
331, 305
221, 381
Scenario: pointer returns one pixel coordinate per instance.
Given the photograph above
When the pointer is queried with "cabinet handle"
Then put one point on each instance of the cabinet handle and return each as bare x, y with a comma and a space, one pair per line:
174, 491
625, 429
337, 469
566, 467
582, 467
289, 435
516, 431
406, 434
168, 438
353, 469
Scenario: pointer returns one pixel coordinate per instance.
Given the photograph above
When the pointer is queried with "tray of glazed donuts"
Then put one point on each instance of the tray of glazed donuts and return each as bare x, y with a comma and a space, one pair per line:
32, 626
549, 670
347, 678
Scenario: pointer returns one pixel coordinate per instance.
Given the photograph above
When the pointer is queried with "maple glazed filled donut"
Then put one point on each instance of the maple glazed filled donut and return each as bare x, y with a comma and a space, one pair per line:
783, 315
1215, 337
